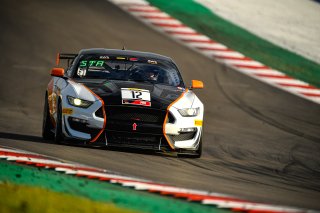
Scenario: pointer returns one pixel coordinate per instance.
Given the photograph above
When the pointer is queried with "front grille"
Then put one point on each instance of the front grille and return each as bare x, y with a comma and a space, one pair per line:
148, 115
146, 120
133, 139
183, 136
136, 116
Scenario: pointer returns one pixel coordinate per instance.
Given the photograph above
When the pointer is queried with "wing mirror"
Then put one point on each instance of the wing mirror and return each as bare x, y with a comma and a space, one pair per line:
195, 84
57, 72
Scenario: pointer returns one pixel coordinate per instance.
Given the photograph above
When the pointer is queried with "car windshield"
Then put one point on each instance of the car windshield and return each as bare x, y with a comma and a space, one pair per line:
128, 69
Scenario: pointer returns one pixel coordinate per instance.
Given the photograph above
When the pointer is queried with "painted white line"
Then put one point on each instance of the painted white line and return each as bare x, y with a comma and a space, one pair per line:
177, 29
142, 2
223, 53
195, 37
281, 80
162, 188
143, 8
203, 45
304, 90
262, 71
163, 21
243, 62
14, 151
74, 169
315, 99
65, 170
170, 189
248, 206
137, 186
154, 14
35, 160
102, 175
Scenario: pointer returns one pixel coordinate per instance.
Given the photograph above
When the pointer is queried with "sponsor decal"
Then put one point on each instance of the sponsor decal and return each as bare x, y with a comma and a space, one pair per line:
135, 96
137, 102
104, 57
67, 111
82, 71
198, 122
133, 59
152, 62
92, 63
120, 58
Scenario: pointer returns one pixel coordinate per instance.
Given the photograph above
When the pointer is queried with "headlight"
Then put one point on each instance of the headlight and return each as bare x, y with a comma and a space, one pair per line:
189, 112
79, 102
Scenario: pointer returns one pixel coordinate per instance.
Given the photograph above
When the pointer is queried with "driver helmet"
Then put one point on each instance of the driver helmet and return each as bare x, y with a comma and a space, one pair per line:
151, 75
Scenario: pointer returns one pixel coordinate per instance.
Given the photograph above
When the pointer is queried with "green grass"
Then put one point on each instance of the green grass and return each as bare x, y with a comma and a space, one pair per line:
98, 191
204, 21
20, 198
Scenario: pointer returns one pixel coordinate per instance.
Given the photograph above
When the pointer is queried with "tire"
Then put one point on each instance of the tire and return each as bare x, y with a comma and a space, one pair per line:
47, 126
58, 137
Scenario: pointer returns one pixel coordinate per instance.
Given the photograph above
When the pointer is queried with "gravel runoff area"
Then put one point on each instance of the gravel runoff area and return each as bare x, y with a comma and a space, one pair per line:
291, 24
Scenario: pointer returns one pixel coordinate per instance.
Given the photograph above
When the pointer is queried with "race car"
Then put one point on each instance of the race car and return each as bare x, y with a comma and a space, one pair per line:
123, 98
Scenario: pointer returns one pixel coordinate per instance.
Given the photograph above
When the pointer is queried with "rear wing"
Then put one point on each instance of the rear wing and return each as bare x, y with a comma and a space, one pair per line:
66, 56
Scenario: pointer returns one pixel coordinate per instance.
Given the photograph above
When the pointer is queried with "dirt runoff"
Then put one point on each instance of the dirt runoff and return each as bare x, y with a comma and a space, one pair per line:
291, 24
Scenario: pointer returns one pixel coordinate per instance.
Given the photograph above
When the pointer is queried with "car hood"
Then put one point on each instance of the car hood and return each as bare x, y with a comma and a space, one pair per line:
110, 91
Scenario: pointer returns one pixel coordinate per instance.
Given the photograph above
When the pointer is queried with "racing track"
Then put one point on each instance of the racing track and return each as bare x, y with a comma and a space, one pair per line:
260, 143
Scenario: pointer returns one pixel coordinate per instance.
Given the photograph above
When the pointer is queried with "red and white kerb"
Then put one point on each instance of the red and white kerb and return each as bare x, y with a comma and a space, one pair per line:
206, 198
172, 27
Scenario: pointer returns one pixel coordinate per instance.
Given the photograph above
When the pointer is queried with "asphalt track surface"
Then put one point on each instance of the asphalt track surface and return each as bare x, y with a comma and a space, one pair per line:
260, 143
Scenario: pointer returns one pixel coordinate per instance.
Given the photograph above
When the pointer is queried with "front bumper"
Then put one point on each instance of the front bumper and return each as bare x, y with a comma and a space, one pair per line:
82, 123
150, 132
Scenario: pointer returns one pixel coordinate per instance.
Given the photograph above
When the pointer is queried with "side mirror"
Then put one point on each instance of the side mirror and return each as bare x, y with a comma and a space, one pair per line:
195, 84
57, 72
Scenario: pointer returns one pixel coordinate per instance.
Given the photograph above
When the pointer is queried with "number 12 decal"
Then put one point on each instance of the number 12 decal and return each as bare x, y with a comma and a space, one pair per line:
136, 95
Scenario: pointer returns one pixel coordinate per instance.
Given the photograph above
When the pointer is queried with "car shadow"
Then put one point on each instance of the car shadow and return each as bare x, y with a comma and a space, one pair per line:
21, 137
38, 139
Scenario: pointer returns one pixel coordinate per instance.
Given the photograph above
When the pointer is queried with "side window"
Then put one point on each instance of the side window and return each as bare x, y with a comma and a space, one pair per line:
70, 68
68, 73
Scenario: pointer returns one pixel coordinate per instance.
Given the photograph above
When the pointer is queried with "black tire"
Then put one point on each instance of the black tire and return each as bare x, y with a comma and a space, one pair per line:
58, 137
47, 126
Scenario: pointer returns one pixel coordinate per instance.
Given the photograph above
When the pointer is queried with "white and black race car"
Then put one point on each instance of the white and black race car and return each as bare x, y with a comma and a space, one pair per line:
123, 98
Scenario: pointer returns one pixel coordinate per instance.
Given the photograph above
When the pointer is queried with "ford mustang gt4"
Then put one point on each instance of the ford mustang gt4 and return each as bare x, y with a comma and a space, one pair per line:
122, 98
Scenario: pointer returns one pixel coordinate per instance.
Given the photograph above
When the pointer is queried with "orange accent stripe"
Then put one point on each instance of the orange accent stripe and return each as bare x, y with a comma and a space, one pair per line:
165, 120
49, 95
104, 115
58, 59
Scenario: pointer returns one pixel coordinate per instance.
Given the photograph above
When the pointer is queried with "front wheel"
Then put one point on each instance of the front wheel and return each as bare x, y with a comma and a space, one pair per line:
58, 137
47, 126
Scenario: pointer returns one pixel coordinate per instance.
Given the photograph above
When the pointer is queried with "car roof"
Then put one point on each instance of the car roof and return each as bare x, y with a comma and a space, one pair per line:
128, 53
